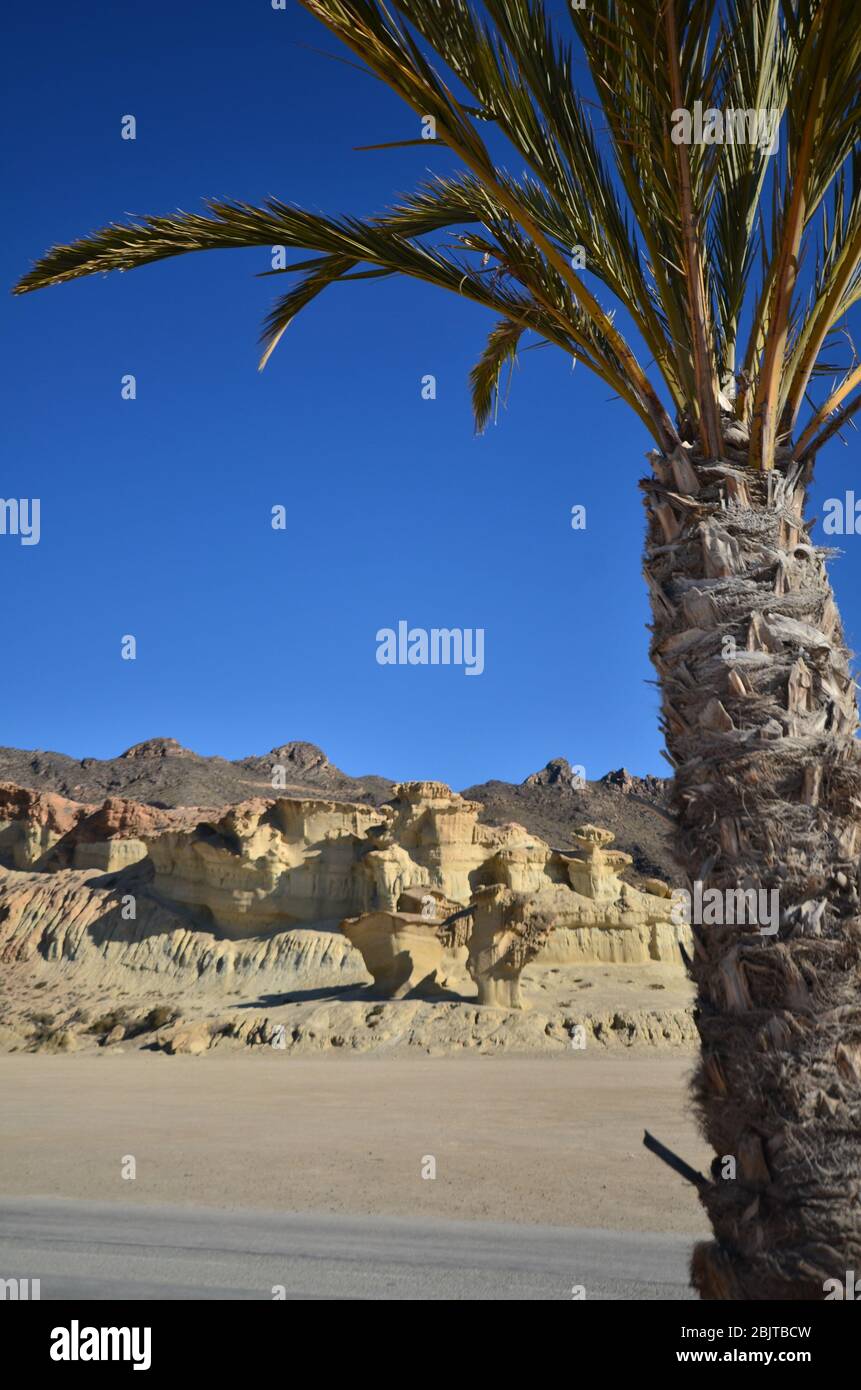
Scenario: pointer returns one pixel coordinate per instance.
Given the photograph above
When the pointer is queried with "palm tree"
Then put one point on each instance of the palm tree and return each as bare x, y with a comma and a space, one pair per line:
734, 263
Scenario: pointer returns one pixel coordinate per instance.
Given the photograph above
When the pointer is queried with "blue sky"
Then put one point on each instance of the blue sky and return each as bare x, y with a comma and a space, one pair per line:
156, 512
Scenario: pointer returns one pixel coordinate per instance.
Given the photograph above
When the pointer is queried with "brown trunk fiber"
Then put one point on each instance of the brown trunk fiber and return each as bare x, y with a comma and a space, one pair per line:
759, 715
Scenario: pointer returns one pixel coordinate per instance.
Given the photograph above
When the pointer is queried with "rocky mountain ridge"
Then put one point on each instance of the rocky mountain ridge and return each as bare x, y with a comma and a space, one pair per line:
162, 774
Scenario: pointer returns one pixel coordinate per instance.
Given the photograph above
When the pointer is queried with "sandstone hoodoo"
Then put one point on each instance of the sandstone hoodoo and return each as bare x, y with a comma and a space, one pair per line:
508, 931
402, 952
522, 902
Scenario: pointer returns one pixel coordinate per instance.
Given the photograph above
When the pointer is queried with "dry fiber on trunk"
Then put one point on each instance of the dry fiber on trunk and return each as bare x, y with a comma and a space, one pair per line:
759, 715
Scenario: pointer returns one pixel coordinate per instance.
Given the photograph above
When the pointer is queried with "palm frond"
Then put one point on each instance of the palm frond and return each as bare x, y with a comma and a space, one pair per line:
687, 239
501, 347
372, 31
818, 93
754, 78
836, 287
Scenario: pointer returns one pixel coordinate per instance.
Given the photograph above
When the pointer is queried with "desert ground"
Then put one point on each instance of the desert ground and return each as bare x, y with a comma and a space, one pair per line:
257, 1169
518, 1139
43, 1007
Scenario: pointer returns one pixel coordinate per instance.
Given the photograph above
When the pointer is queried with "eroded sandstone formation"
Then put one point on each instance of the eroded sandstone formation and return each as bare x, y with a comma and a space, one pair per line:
529, 902
46, 832
421, 887
433, 837
114, 930
285, 862
508, 931
415, 950
266, 864
401, 951
32, 822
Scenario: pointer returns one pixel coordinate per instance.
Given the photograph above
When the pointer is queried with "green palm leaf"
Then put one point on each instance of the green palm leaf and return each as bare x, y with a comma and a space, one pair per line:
683, 242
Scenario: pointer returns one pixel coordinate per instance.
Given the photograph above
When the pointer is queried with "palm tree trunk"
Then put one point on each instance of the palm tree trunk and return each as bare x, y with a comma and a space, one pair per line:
759, 716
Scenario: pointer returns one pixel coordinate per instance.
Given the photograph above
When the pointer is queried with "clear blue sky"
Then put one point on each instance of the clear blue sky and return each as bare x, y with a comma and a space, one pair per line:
156, 512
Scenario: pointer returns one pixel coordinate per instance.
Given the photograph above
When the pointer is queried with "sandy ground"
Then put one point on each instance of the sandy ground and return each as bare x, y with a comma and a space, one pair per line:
515, 1139
619, 1006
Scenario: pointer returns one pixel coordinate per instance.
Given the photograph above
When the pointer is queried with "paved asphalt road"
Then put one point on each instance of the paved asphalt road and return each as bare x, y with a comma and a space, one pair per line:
91, 1250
